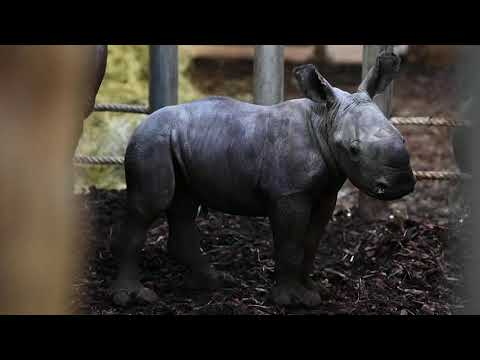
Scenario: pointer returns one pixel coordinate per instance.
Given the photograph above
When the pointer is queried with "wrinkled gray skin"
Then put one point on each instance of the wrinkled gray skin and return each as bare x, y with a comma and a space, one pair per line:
94, 71
285, 161
97, 66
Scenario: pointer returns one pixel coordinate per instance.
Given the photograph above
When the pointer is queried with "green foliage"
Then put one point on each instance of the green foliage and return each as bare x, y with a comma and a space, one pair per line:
105, 133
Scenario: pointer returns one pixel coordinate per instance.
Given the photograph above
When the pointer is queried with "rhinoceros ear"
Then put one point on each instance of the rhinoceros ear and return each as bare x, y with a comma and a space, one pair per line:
313, 85
386, 68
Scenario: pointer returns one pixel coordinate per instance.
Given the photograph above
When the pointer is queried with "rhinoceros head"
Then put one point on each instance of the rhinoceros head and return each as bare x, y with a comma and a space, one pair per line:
363, 143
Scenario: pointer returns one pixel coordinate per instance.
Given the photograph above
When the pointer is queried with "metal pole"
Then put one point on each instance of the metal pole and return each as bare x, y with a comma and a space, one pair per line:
163, 82
369, 208
268, 74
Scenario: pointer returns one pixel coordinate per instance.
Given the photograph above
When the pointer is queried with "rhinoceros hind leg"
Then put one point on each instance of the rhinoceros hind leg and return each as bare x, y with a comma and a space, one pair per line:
184, 243
131, 293
150, 187
127, 288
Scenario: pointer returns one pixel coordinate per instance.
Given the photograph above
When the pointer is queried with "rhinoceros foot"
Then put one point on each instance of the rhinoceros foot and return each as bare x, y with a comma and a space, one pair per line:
208, 280
131, 294
294, 294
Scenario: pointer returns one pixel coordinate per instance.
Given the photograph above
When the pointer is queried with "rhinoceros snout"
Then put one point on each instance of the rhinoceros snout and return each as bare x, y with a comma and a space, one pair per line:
396, 187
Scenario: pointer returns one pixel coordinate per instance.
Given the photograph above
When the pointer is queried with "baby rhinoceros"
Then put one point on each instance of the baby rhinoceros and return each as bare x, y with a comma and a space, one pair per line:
286, 161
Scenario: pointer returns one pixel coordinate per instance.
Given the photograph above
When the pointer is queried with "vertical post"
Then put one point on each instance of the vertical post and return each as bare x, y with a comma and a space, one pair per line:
163, 84
38, 259
469, 83
268, 74
370, 208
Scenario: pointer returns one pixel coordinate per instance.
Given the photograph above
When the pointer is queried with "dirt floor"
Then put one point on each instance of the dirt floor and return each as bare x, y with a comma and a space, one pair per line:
405, 263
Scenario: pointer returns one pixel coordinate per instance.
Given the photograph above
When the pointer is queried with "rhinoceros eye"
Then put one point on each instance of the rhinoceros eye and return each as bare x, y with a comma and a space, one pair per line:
355, 148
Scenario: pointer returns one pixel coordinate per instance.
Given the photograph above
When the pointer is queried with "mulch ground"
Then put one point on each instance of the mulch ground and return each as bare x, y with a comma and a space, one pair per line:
408, 263
386, 267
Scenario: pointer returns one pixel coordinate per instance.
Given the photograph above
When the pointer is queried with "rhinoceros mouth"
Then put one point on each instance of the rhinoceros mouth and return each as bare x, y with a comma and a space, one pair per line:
389, 195
392, 187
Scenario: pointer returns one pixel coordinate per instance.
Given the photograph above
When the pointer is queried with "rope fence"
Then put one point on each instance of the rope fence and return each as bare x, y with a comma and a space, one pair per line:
97, 160
125, 108
420, 175
412, 120
398, 120
441, 175
426, 121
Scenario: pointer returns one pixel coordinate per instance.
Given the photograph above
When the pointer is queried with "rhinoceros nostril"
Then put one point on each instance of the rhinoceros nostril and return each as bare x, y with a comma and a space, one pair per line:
380, 187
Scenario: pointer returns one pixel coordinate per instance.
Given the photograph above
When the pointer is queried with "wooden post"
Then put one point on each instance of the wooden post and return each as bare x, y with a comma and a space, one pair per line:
369, 208
268, 74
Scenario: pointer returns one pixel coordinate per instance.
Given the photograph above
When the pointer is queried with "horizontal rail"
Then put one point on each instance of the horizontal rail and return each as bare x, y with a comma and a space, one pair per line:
441, 175
97, 160
420, 175
425, 121
125, 108
396, 120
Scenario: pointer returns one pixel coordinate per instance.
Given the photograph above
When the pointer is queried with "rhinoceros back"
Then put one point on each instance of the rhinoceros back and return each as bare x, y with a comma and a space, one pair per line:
217, 147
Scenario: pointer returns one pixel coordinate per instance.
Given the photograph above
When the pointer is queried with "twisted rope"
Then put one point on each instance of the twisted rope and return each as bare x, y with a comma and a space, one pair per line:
412, 120
426, 121
98, 160
420, 175
397, 120
126, 108
441, 175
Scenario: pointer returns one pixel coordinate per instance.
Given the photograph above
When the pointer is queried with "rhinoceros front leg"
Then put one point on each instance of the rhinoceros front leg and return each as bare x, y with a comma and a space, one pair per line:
289, 218
319, 219
150, 180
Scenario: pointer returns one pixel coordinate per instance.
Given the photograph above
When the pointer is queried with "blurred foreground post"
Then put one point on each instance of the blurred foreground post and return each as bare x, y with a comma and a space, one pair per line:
469, 80
369, 208
40, 107
268, 74
163, 76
